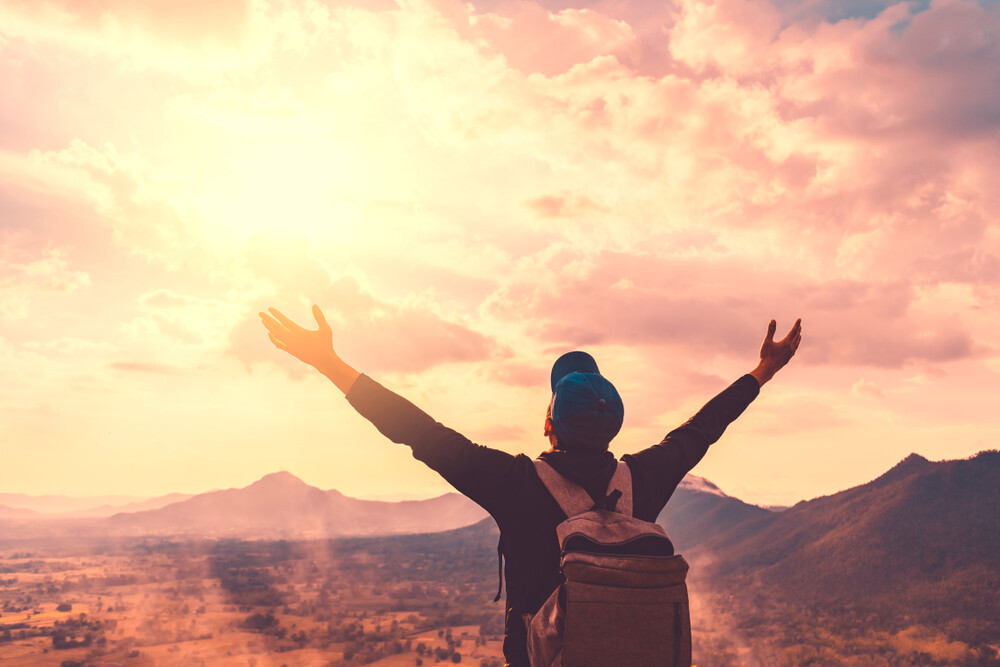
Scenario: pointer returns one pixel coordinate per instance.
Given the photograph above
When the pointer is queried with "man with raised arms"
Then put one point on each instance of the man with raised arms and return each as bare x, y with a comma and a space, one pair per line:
584, 415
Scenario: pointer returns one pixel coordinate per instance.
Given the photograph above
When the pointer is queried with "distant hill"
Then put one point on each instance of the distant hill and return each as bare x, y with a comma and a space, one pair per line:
699, 511
54, 504
282, 505
16, 513
918, 545
137, 506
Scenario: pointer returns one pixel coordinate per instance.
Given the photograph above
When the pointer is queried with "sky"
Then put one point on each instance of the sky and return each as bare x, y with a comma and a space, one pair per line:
469, 190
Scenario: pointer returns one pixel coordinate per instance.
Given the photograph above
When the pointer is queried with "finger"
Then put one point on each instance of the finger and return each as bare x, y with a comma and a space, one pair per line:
292, 326
770, 330
272, 325
320, 318
277, 343
793, 332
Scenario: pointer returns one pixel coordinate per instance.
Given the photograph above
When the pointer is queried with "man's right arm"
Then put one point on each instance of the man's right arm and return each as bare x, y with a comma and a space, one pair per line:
485, 475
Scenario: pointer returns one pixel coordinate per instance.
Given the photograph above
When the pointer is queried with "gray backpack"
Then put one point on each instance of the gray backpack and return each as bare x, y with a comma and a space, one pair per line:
624, 601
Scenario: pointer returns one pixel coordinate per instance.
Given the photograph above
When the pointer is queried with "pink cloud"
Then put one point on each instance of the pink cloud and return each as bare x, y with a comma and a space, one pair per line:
520, 374
709, 308
797, 416
562, 206
373, 334
534, 39
146, 367
973, 265
866, 388
28, 271
113, 190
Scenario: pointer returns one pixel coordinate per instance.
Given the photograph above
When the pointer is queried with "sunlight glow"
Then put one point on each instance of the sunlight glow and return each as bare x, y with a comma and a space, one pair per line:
287, 188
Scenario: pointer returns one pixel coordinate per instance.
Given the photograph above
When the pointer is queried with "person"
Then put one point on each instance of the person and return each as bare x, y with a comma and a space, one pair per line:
583, 416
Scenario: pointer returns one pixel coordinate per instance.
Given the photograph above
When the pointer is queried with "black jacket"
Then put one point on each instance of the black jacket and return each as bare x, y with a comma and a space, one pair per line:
508, 488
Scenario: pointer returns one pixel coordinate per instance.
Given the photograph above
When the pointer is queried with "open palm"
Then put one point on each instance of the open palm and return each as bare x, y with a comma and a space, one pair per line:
313, 346
777, 354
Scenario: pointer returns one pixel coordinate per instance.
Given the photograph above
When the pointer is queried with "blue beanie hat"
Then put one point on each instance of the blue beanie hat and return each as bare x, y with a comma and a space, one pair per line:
587, 411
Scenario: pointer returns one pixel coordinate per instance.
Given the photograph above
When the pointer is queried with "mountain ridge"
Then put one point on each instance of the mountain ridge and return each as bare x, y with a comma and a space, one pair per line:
280, 504
922, 538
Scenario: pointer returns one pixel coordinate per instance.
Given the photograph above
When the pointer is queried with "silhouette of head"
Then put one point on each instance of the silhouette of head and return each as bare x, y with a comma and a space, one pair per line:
585, 412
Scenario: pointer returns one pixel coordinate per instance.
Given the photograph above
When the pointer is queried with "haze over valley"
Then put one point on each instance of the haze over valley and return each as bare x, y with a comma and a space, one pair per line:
901, 570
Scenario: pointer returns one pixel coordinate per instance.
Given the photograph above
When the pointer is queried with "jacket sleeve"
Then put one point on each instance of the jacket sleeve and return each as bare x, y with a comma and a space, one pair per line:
482, 474
659, 469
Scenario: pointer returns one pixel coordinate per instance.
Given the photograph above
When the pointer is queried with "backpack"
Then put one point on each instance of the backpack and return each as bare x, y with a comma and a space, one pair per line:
624, 601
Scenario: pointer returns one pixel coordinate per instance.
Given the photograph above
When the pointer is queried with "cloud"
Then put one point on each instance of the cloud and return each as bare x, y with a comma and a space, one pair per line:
470, 190
535, 40
561, 206
146, 367
130, 194
70, 346
372, 333
26, 274
715, 306
81, 192
735, 35
171, 321
187, 22
170, 300
796, 415
866, 388
520, 374
159, 34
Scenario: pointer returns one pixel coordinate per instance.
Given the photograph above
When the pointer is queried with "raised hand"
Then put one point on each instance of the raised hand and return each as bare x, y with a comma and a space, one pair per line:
774, 355
312, 346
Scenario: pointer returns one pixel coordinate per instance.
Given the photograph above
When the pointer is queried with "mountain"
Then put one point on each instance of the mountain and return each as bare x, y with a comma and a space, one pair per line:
282, 505
17, 513
92, 507
54, 504
918, 518
699, 511
918, 545
103, 511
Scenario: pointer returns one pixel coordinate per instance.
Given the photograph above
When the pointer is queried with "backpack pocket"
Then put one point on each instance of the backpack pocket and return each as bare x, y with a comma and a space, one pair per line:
606, 625
625, 611
545, 631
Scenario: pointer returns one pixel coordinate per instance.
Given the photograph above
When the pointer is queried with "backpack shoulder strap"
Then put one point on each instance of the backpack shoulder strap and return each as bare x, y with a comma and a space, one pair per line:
622, 481
572, 499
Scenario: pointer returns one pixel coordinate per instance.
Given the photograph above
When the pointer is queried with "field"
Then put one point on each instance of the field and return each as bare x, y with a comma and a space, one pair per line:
392, 601
251, 604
